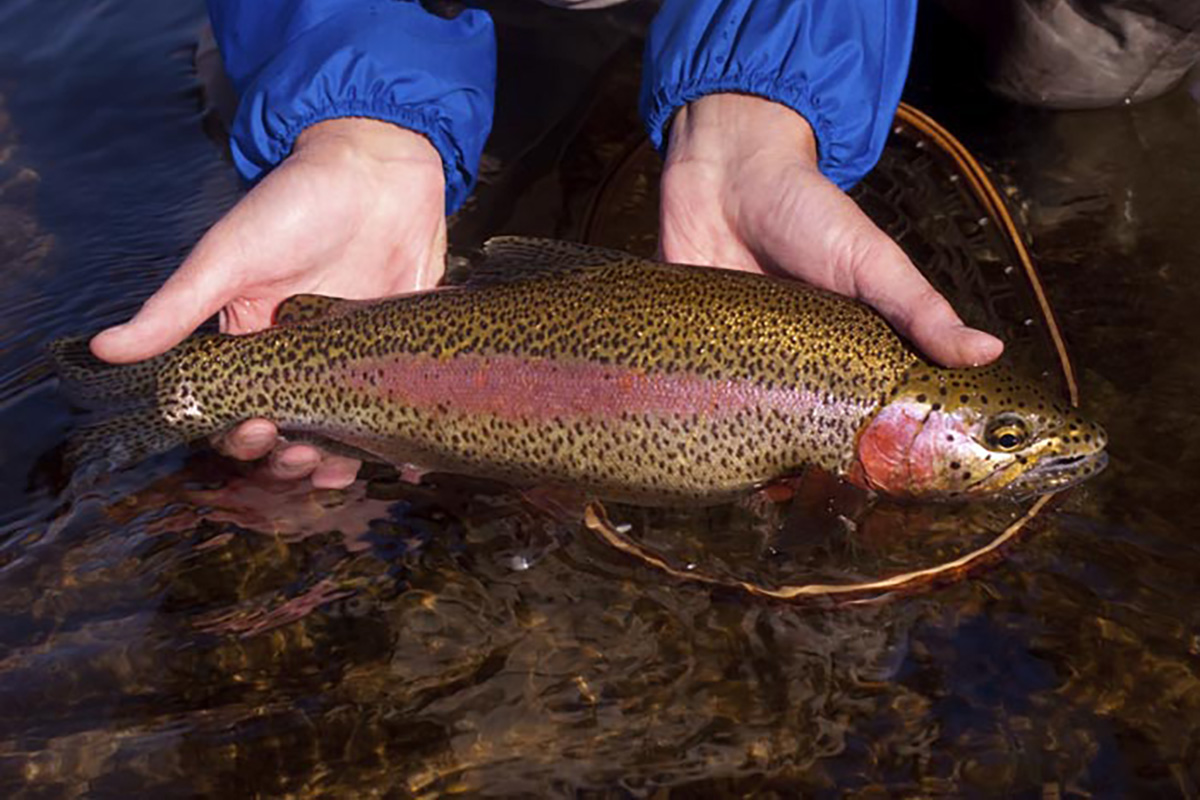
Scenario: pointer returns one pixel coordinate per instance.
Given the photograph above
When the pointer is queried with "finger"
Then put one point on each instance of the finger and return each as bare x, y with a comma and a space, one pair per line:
817, 233
197, 290
249, 441
928, 321
335, 472
885, 279
293, 462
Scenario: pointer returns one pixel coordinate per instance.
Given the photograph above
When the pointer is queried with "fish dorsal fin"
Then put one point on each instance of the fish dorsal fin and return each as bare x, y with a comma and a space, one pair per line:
549, 253
306, 307
507, 259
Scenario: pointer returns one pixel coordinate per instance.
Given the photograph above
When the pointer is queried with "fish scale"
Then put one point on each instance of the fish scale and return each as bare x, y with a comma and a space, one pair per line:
563, 364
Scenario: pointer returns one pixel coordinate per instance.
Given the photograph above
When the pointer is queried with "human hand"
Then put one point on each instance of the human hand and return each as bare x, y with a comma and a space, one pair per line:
741, 189
356, 211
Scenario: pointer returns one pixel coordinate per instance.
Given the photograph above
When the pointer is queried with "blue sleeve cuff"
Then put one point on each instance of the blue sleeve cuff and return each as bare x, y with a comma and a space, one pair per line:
390, 61
841, 64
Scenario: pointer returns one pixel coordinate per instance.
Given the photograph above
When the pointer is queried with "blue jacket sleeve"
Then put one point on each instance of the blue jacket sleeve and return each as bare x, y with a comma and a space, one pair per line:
298, 62
841, 64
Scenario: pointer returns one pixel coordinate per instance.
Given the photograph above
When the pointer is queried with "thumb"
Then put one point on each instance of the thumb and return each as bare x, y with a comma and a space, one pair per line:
890, 283
196, 291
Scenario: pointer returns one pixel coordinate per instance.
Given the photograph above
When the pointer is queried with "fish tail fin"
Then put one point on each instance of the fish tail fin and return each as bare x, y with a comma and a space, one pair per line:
104, 445
99, 385
125, 424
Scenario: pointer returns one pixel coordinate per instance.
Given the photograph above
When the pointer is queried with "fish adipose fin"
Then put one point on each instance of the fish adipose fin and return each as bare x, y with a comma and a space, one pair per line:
508, 259
307, 307
125, 425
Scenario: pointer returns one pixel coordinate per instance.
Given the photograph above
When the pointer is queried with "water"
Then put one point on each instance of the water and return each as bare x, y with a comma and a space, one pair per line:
185, 629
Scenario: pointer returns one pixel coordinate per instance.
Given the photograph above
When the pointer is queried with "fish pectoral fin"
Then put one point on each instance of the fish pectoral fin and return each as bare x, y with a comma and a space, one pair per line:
307, 307
508, 259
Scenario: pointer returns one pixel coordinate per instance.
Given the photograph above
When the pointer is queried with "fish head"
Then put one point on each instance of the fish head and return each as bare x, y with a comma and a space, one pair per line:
962, 434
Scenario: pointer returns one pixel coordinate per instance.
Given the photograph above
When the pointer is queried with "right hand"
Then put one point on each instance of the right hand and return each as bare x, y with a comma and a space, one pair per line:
356, 211
741, 189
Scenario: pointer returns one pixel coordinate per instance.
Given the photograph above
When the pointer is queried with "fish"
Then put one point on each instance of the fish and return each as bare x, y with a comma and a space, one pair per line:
560, 364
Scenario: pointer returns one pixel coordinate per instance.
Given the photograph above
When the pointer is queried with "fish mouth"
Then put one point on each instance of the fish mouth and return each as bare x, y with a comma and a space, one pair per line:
1058, 473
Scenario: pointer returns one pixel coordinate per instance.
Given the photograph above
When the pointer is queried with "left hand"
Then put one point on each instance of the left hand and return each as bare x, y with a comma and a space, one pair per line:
741, 189
355, 211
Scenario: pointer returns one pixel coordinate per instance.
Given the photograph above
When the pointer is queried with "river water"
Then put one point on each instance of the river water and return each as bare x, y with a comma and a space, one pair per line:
185, 629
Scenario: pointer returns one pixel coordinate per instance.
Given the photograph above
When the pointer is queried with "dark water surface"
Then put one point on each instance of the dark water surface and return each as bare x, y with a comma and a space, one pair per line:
184, 629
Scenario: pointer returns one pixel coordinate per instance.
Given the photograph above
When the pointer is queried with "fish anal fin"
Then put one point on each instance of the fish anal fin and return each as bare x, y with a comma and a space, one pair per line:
121, 441
331, 445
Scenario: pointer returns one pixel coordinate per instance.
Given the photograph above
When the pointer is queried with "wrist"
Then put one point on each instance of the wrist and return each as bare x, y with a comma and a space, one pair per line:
359, 137
725, 127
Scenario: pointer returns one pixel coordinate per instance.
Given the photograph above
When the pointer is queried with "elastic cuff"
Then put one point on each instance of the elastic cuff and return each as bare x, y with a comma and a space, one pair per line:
797, 96
425, 121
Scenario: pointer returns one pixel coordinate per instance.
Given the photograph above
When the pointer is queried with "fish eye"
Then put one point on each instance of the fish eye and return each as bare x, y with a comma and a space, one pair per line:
1006, 432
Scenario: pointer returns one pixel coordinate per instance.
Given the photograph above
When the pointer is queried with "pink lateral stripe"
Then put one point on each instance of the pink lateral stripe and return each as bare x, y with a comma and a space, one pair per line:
511, 387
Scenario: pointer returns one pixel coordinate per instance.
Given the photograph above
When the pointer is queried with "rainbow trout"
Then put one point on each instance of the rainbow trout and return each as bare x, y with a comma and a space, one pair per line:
569, 365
